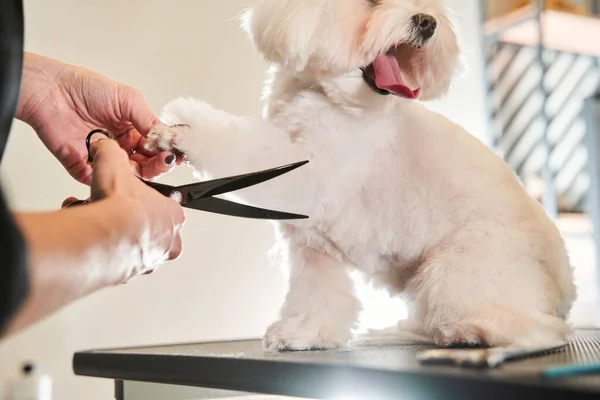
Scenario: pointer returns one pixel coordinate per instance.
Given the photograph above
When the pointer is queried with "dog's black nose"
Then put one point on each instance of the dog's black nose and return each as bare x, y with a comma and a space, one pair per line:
425, 25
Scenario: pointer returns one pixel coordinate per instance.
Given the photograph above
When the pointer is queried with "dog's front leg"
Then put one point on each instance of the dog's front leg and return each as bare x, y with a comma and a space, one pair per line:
320, 309
217, 143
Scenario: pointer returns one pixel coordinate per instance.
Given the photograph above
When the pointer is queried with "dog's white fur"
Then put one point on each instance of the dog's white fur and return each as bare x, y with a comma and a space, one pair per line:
392, 189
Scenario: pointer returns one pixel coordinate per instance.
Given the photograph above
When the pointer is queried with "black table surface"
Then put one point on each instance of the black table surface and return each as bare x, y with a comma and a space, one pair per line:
368, 371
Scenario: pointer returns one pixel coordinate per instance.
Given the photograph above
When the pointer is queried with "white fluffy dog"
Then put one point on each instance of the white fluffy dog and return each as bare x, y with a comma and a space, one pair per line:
392, 189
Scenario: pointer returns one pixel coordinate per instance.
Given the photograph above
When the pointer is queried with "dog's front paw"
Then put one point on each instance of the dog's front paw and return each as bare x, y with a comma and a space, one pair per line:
166, 138
302, 334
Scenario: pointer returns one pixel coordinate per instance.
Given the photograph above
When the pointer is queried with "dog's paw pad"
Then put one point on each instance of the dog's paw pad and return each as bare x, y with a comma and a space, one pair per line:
165, 138
459, 336
290, 336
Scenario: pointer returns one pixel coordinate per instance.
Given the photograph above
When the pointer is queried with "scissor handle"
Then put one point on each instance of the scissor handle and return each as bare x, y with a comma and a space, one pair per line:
75, 203
89, 138
164, 189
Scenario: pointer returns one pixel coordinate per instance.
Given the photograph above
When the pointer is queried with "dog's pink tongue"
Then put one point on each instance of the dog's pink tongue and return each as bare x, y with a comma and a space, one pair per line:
388, 77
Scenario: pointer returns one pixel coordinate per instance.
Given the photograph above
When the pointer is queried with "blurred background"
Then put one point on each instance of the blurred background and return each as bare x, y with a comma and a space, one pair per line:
523, 96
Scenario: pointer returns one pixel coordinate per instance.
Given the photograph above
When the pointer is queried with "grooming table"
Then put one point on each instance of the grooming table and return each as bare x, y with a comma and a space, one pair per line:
365, 372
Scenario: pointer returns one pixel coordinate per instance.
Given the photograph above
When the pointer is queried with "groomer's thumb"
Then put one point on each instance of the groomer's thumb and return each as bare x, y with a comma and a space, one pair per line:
110, 166
107, 153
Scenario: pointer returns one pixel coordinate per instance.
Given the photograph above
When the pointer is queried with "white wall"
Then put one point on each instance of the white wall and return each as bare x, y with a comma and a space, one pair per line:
222, 287
465, 104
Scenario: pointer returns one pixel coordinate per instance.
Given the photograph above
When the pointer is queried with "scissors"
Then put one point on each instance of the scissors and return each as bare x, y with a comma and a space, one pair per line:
199, 196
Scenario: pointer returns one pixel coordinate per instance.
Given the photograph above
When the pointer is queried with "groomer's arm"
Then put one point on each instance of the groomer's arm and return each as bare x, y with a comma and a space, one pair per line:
128, 230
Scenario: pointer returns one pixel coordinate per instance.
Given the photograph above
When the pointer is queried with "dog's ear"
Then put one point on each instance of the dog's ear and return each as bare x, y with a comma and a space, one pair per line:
317, 35
281, 30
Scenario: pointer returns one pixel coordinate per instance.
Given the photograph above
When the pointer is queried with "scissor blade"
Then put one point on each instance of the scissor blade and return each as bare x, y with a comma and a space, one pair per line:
226, 207
164, 189
225, 185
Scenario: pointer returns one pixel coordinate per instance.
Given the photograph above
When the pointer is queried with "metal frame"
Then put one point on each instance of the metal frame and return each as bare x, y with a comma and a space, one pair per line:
592, 114
490, 43
591, 111
119, 390
550, 201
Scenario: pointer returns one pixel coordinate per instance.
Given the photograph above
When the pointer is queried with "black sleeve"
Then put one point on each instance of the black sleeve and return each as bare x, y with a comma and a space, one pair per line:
14, 279
13, 254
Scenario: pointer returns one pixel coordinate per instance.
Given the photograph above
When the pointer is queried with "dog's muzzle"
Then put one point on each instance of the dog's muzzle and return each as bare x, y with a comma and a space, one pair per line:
425, 26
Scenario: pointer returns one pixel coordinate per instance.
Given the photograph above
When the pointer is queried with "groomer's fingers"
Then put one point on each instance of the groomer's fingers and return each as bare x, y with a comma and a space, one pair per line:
135, 168
152, 167
134, 108
177, 244
176, 248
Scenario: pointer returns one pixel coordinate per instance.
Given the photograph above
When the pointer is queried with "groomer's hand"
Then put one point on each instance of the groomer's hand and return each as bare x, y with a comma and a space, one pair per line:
155, 221
129, 229
63, 103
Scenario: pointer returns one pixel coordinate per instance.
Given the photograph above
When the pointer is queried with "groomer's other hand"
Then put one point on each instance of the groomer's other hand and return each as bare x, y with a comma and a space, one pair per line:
156, 220
160, 219
129, 229
63, 103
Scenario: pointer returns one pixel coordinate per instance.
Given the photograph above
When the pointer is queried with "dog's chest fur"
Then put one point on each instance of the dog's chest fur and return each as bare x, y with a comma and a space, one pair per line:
363, 165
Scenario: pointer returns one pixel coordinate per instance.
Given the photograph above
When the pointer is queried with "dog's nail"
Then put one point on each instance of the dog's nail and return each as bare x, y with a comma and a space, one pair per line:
170, 160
